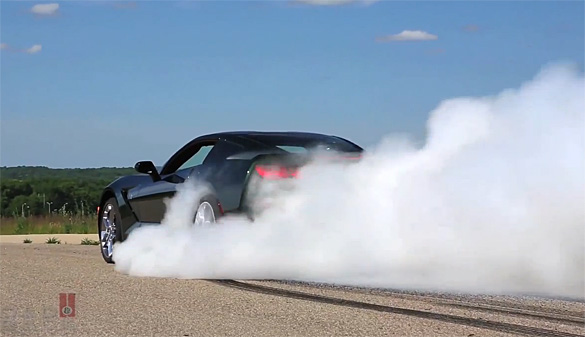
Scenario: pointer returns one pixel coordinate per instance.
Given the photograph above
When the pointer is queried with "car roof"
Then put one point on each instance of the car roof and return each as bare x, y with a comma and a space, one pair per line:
260, 140
267, 134
272, 136
269, 138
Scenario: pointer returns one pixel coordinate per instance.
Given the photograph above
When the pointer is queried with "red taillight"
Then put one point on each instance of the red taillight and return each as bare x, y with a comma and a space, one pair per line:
276, 172
356, 157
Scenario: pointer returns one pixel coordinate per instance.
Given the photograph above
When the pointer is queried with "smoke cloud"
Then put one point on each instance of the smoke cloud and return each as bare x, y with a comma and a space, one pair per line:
494, 202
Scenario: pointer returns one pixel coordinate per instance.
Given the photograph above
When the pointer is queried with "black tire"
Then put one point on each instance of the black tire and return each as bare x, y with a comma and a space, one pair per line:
110, 210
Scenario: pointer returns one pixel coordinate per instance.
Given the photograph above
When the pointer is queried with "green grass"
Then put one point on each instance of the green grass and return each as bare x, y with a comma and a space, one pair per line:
53, 240
56, 224
87, 241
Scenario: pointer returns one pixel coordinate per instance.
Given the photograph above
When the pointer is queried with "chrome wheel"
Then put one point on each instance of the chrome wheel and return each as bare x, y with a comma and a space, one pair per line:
108, 230
205, 214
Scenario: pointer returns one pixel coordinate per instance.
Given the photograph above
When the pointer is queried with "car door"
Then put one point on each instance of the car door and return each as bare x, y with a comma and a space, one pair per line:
148, 200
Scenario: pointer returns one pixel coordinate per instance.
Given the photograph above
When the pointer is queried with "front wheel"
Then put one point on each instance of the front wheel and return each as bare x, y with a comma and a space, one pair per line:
109, 228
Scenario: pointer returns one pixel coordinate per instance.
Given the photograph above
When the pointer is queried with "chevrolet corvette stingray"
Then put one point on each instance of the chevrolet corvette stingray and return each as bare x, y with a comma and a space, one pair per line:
226, 161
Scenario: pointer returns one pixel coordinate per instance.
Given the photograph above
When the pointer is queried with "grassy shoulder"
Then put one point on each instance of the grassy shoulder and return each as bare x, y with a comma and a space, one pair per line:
54, 224
54, 239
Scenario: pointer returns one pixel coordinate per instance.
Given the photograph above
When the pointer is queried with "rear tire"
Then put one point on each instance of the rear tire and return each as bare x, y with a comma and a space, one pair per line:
109, 229
208, 212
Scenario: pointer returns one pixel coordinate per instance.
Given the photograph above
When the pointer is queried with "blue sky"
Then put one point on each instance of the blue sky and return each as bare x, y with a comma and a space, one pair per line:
102, 83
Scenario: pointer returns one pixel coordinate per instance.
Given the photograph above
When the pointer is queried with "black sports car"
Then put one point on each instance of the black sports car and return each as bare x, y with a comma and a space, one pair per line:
226, 161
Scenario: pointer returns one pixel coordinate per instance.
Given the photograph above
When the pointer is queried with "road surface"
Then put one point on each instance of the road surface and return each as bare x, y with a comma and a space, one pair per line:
108, 303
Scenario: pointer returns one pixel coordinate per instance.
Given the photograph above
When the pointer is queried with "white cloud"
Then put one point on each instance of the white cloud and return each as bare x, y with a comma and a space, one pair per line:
45, 9
409, 35
34, 49
334, 2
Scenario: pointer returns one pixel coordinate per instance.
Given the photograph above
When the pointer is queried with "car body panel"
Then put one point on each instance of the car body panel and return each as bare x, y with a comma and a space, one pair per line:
226, 168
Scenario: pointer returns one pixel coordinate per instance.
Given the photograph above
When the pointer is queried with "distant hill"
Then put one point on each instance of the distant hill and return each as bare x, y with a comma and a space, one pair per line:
42, 172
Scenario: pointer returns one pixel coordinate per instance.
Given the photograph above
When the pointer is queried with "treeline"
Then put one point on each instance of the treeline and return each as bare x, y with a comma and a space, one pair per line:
29, 191
42, 172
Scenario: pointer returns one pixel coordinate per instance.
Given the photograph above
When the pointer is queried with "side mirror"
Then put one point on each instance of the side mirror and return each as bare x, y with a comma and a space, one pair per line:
147, 167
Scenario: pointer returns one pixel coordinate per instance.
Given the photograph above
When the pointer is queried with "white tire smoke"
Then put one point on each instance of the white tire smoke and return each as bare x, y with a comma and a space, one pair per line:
493, 203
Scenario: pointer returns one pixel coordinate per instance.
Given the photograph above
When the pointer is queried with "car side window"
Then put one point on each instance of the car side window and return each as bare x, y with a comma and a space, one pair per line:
221, 151
197, 158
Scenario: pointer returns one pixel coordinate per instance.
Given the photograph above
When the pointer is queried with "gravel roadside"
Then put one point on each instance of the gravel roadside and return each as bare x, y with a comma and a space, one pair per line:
108, 303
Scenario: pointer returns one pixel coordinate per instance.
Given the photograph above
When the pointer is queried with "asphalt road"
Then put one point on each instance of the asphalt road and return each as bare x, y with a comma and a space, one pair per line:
108, 303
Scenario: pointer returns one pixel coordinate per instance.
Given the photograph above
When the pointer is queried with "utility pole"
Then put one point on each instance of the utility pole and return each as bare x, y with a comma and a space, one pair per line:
22, 208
